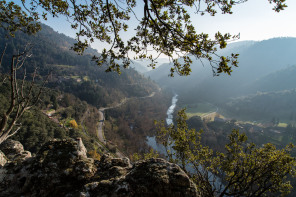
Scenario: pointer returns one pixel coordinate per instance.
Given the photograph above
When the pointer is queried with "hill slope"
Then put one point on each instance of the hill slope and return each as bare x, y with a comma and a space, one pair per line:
256, 60
76, 75
73, 73
265, 66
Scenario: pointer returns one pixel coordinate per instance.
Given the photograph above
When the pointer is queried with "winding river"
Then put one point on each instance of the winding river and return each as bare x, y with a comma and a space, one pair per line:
151, 141
171, 109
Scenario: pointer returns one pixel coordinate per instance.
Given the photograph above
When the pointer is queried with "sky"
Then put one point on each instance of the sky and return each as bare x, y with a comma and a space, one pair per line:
254, 20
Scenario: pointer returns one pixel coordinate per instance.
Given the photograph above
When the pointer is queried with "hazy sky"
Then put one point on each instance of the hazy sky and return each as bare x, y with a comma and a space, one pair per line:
254, 20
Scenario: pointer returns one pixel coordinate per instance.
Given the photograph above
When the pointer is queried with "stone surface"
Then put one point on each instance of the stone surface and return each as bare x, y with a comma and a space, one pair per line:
154, 177
14, 151
11, 148
58, 168
81, 148
61, 168
3, 159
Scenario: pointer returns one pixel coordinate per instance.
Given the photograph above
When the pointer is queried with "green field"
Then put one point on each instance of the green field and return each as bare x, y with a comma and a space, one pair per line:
199, 109
282, 124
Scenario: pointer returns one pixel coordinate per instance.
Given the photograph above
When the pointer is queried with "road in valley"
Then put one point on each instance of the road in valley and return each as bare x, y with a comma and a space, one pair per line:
100, 132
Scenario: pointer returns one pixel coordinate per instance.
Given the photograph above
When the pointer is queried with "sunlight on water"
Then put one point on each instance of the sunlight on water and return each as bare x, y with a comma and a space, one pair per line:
169, 119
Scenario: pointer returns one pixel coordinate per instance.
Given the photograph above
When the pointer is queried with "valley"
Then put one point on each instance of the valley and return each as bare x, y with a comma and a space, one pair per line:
84, 100
120, 110
260, 90
156, 101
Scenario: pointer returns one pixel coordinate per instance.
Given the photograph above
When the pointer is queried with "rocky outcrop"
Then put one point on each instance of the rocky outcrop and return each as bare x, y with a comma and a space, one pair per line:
153, 177
3, 159
14, 151
11, 147
61, 168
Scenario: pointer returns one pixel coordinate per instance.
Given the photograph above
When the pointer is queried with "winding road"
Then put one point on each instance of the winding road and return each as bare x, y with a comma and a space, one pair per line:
100, 132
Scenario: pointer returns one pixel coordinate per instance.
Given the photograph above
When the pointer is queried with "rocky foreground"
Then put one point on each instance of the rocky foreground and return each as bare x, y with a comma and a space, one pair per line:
62, 168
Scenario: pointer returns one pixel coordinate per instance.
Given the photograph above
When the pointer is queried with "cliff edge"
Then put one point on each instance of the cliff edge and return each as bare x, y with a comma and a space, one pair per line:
62, 168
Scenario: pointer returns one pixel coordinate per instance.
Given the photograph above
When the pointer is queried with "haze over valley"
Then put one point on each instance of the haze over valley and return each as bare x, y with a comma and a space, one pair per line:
261, 91
147, 98
265, 68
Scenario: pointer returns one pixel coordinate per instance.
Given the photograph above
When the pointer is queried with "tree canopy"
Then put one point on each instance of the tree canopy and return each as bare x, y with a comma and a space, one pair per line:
165, 28
243, 169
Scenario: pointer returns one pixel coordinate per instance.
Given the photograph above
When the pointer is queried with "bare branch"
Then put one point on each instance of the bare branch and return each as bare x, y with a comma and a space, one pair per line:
2, 55
14, 132
20, 100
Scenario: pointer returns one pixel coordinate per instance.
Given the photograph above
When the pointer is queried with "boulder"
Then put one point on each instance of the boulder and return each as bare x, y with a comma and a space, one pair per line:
57, 169
61, 168
153, 177
11, 148
81, 148
14, 151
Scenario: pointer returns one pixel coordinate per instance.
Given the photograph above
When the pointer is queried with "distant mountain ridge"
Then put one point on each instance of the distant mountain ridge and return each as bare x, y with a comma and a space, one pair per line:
259, 88
283, 79
256, 60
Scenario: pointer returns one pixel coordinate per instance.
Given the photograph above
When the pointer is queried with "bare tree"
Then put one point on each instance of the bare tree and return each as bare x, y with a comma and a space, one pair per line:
21, 96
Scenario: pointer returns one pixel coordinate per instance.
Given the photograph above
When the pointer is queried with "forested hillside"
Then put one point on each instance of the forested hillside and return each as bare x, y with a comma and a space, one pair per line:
77, 89
264, 106
52, 117
48, 91
74, 73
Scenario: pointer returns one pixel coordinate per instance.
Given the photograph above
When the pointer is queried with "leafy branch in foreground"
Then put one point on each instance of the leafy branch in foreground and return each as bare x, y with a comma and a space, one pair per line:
22, 97
164, 27
242, 170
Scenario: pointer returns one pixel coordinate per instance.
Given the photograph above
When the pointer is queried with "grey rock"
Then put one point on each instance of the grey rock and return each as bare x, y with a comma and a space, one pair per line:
3, 159
21, 156
11, 148
61, 168
81, 148
154, 177
56, 170
14, 151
